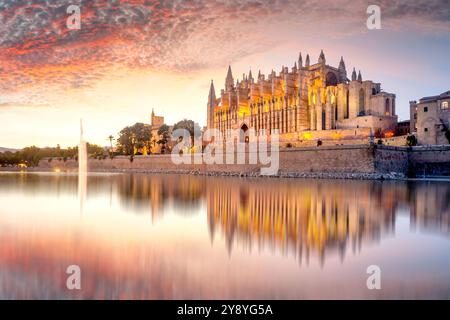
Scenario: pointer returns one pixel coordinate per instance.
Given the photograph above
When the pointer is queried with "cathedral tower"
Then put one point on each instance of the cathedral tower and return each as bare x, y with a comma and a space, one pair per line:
212, 103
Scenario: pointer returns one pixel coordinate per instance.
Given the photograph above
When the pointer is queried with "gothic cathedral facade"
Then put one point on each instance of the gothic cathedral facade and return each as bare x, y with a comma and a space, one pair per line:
313, 98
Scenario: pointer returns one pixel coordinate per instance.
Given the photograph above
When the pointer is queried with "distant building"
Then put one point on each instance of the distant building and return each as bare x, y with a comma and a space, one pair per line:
430, 118
155, 123
403, 128
316, 98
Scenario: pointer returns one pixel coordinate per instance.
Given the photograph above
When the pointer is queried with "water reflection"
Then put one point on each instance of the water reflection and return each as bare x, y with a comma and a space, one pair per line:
170, 236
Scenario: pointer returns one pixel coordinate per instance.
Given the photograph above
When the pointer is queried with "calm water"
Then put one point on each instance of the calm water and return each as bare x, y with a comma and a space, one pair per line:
177, 236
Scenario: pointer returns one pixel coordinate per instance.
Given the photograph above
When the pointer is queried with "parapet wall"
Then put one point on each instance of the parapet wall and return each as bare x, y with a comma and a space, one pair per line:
325, 159
413, 161
348, 159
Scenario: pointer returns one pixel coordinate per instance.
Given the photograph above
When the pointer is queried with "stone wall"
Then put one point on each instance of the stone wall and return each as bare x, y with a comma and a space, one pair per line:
391, 159
430, 160
362, 159
342, 159
413, 161
398, 141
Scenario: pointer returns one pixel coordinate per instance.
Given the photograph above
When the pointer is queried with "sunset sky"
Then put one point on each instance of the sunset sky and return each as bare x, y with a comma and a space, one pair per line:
132, 56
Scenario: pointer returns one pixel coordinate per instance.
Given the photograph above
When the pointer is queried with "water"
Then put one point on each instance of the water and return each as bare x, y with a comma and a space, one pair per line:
185, 237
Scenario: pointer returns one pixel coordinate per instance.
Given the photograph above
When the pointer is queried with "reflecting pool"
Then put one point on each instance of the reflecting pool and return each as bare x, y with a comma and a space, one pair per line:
137, 236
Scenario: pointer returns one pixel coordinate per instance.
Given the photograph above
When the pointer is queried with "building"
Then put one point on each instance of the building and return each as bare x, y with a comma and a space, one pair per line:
155, 123
403, 128
310, 100
430, 119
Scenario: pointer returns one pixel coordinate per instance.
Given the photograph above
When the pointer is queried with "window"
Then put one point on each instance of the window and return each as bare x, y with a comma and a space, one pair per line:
426, 129
425, 109
347, 108
361, 102
387, 108
444, 105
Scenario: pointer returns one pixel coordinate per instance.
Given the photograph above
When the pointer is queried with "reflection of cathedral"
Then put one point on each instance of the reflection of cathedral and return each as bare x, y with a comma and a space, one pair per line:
300, 218
309, 97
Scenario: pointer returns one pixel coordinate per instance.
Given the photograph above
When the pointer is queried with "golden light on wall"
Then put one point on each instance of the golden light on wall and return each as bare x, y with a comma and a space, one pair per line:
337, 135
306, 136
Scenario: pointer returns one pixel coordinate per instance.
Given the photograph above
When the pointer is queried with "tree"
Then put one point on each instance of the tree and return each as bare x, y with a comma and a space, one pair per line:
446, 131
164, 133
136, 136
411, 140
111, 138
95, 151
189, 125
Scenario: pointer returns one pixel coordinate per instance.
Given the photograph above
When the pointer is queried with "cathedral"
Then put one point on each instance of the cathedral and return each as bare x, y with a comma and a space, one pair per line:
309, 101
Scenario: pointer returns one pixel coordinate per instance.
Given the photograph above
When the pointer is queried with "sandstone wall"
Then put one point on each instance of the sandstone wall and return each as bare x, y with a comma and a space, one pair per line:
430, 160
391, 159
415, 161
348, 159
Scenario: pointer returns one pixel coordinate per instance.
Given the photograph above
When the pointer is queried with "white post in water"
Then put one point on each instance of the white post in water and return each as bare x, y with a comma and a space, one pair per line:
82, 168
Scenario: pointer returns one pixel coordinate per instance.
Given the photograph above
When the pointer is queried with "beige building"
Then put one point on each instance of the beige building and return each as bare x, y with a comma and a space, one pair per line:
311, 98
155, 123
430, 118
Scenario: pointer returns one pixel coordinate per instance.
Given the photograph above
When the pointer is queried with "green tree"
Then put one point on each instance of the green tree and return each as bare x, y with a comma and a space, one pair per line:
136, 136
411, 140
446, 131
189, 125
111, 138
164, 133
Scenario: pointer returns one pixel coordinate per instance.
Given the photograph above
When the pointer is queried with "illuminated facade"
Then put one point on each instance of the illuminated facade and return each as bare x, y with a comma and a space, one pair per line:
310, 97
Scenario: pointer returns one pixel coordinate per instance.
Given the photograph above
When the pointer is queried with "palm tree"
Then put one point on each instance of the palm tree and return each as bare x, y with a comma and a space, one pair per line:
111, 138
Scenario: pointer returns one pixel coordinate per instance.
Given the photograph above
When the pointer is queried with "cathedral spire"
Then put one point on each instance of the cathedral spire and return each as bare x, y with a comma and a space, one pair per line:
341, 64
229, 81
212, 95
322, 57
307, 61
250, 76
359, 76
300, 60
354, 75
342, 71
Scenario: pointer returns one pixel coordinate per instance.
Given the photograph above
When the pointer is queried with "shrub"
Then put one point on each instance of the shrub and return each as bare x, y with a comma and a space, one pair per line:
411, 141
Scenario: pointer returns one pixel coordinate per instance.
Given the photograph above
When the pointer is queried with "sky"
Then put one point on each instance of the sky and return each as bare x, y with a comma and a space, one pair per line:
129, 57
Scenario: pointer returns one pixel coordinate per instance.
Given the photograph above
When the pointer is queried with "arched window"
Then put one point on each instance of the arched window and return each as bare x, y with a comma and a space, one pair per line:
361, 102
331, 79
347, 106
387, 107
323, 120
335, 113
